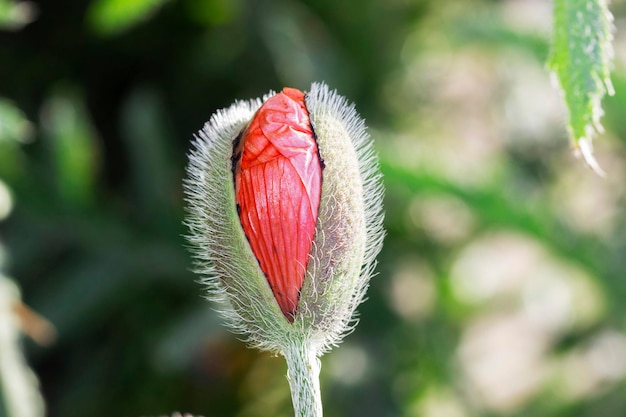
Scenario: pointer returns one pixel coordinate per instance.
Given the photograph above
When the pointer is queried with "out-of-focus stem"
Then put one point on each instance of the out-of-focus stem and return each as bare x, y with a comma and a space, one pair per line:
303, 371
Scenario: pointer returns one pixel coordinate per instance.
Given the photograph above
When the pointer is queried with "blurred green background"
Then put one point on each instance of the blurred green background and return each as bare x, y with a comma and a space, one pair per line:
501, 288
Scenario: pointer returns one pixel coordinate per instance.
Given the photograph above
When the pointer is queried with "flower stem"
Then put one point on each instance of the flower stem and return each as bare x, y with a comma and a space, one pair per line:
303, 370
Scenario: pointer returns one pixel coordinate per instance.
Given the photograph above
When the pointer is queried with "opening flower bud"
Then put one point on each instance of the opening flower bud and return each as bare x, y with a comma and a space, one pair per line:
285, 215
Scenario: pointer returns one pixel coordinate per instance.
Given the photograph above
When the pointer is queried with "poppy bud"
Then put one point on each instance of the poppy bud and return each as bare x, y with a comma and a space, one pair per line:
284, 206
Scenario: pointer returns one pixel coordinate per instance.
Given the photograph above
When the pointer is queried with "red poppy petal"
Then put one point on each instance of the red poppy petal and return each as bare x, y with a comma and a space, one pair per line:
278, 186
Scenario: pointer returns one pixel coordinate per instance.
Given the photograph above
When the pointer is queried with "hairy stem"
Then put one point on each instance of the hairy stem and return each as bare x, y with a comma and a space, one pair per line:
303, 370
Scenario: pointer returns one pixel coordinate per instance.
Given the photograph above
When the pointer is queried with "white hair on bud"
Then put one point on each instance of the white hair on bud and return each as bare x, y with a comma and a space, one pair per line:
350, 232
223, 256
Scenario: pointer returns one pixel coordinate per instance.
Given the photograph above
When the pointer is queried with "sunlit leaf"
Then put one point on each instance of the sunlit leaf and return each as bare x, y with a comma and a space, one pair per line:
213, 12
580, 60
14, 16
15, 129
13, 123
497, 34
109, 17
73, 147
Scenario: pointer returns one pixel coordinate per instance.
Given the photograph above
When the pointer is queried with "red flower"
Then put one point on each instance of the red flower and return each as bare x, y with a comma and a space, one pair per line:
278, 179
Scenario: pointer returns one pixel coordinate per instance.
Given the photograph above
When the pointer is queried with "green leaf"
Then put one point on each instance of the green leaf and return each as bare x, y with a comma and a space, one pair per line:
73, 146
154, 173
580, 59
109, 17
14, 125
13, 16
15, 129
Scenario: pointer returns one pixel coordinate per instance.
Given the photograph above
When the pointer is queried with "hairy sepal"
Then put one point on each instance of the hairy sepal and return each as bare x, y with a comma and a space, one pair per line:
349, 232
224, 257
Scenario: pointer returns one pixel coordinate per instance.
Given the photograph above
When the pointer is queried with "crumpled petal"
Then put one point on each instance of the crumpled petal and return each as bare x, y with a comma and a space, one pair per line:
278, 178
